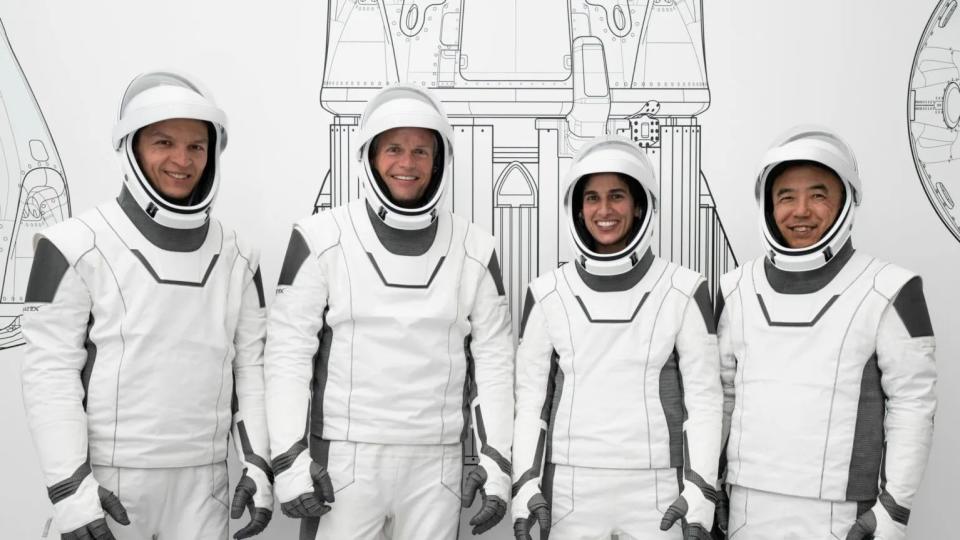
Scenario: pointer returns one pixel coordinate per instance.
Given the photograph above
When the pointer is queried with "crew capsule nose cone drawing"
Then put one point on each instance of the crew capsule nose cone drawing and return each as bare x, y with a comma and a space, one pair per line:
33, 188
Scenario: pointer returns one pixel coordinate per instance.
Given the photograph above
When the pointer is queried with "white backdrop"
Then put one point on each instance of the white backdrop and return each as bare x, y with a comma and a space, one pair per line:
770, 64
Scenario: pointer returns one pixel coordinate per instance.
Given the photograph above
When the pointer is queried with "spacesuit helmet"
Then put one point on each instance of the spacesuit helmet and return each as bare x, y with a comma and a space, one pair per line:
822, 148
164, 95
625, 159
404, 106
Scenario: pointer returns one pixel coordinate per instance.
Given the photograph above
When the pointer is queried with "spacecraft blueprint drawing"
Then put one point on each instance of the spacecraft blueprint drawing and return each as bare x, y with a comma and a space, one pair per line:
933, 112
525, 84
33, 189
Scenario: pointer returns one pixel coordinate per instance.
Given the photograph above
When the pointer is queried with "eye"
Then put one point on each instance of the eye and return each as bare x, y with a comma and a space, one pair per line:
616, 196
591, 197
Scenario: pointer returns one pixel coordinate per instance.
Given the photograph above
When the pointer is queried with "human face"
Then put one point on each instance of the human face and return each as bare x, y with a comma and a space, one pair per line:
404, 159
806, 201
173, 154
608, 211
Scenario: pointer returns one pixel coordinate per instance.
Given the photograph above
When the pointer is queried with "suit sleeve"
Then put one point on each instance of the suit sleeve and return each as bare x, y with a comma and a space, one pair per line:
728, 369
699, 370
491, 346
249, 412
533, 403
905, 356
57, 312
293, 326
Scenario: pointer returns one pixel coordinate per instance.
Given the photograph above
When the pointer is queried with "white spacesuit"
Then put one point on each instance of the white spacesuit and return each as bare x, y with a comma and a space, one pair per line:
618, 386
390, 325
145, 323
828, 374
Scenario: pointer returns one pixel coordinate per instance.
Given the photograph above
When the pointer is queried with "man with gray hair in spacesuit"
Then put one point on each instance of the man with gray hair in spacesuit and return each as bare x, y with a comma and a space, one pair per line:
827, 361
144, 321
390, 326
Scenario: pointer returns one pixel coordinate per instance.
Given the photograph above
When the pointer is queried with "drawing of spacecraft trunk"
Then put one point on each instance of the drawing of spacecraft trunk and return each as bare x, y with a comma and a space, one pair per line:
526, 83
33, 191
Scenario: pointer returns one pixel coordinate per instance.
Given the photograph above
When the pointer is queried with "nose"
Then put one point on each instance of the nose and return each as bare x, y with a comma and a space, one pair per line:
181, 156
406, 160
803, 207
605, 206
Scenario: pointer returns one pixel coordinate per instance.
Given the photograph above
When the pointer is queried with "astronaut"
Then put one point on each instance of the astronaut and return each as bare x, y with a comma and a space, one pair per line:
145, 326
618, 387
390, 324
826, 360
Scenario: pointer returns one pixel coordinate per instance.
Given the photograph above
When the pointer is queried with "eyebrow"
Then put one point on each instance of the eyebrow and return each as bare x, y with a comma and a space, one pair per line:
417, 147
815, 187
156, 132
595, 192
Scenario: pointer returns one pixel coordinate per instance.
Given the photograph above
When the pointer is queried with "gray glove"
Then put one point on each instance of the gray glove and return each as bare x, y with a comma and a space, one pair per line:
97, 529
678, 511
248, 495
539, 513
493, 509
312, 504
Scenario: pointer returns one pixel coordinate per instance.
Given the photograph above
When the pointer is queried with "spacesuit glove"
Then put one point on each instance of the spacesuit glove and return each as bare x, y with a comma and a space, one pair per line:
679, 511
254, 492
493, 508
96, 528
539, 512
311, 504
876, 524
304, 488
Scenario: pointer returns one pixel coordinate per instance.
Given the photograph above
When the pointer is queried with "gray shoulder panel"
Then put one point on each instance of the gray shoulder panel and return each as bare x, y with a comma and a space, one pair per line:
718, 307
494, 268
258, 283
702, 297
49, 267
528, 304
297, 252
909, 303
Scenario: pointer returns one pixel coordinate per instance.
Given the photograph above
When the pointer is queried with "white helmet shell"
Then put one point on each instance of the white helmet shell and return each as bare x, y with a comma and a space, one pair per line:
395, 107
154, 97
819, 145
612, 154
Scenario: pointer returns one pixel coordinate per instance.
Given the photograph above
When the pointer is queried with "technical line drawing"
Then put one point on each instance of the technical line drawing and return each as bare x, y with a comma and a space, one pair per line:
33, 188
525, 84
557, 74
933, 112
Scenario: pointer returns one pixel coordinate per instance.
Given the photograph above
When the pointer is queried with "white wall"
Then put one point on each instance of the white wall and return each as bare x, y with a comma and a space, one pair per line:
771, 64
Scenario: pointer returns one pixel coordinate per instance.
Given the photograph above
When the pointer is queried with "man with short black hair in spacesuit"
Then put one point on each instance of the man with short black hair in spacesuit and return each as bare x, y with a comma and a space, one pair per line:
618, 394
827, 362
390, 325
144, 321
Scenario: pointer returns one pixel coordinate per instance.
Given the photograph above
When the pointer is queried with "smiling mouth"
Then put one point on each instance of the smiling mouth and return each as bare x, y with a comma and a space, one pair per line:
404, 178
177, 175
606, 224
801, 229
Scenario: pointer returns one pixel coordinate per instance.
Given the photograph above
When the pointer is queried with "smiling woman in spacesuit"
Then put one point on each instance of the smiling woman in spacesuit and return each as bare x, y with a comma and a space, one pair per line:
618, 386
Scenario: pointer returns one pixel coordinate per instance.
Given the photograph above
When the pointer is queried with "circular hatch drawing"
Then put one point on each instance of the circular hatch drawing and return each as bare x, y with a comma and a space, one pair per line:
933, 110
